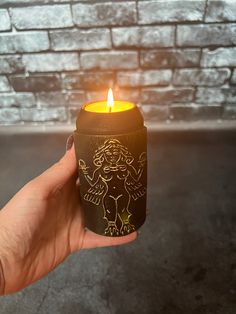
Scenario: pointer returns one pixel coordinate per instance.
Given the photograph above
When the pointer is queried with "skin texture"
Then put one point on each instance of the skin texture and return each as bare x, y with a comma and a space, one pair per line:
43, 224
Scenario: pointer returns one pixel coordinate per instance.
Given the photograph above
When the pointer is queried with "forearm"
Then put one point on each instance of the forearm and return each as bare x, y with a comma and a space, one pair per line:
2, 254
6, 240
12, 252
2, 278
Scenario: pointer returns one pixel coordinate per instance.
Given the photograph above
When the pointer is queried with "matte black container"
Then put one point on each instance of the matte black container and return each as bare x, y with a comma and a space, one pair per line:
111, 151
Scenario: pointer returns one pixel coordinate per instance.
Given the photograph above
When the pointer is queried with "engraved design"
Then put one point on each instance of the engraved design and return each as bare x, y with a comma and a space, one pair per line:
113, 183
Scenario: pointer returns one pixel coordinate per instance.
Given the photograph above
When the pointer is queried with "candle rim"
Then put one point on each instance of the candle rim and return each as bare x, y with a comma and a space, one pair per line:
101, 123
132, 105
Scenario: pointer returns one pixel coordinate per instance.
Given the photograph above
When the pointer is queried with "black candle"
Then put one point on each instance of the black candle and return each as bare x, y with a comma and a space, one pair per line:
111, 150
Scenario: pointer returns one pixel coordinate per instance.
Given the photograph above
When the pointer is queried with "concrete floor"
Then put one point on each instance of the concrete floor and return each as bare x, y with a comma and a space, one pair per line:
184, 261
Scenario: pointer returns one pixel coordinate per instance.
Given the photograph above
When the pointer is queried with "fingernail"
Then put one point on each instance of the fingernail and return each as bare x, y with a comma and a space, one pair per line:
69, 142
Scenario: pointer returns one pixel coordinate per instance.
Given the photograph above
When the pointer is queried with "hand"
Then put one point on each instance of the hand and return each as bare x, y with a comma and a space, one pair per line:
83, 167
44, 223
142, 159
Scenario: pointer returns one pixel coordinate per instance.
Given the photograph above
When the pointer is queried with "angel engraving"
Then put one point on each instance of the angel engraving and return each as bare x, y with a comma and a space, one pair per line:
113, 182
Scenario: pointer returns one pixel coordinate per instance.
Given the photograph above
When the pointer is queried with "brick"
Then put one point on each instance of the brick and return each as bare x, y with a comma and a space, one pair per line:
4, 84
205, 35
100, 14
144, 78
17, 100
44, 16
215, 95
81, 39
88, 80
201, 77
11, 64
96, 95
219, 57
76, 98
229, 112
35, 83
160, 96
170, 11
233, 78
210, 96
155, 113
109, 60
47, 62
170, 58
195, 112
5, 23
52, 99
57, 114
24, 42
221, 11
9, 115
130, 94
230, 94
146, 36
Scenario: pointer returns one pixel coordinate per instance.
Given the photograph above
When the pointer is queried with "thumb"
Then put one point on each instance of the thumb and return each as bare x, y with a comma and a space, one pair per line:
60, 173
49, 181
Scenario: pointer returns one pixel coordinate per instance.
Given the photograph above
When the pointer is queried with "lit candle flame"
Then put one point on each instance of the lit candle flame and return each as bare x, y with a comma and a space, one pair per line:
110, 100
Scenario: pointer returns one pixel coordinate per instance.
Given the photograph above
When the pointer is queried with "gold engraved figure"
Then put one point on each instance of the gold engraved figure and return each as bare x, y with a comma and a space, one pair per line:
113, 183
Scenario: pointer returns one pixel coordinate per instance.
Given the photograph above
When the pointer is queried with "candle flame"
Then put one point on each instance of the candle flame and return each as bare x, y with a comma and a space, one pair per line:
110, 100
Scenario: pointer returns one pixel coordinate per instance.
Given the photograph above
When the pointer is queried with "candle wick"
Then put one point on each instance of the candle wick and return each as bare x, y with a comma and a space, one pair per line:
109, 109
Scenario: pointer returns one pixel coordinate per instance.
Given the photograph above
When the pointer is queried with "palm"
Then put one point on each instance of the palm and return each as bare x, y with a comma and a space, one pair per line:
46, 224
57, 234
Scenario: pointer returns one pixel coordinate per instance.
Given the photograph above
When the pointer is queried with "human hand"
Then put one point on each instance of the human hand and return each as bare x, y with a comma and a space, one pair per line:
142, 159
83, 167
44, 223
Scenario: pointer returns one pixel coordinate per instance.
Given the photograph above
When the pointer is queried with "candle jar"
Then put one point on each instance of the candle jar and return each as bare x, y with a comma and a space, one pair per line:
111, 152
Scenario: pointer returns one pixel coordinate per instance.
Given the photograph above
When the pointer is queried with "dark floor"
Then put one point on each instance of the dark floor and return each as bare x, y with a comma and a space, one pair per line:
184, 261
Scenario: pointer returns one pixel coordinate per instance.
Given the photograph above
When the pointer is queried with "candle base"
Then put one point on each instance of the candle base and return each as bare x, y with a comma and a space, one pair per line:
113, 180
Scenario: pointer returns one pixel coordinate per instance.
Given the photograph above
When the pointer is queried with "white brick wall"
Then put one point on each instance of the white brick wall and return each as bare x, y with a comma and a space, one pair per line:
175, 58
